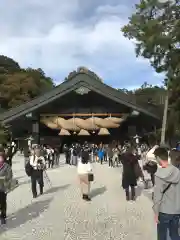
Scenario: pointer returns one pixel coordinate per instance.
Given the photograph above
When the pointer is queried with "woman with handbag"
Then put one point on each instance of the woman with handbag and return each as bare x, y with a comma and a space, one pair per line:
85, 174
5, 185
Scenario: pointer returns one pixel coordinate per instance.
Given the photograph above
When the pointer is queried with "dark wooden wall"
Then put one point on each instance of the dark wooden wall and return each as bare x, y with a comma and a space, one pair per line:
90, 103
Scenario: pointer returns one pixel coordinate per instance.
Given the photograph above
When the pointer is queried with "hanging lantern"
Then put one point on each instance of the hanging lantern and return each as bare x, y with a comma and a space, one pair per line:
64, 132
83, 133
104, 131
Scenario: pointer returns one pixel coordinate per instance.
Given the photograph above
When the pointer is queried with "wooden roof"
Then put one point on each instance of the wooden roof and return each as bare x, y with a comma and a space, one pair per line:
77, 80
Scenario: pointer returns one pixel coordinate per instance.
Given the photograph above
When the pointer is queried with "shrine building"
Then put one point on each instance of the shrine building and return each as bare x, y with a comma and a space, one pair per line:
81, 108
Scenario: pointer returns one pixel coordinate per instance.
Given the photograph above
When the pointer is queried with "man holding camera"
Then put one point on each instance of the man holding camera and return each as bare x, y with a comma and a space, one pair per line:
38, 164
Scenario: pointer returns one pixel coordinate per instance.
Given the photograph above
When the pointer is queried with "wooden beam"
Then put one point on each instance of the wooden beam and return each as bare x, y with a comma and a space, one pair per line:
83, 115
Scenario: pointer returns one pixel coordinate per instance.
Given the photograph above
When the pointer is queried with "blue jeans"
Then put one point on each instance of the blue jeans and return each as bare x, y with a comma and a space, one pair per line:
168, 222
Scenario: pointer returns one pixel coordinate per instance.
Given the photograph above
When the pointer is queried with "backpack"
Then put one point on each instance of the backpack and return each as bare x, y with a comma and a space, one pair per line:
151, 167
28, 168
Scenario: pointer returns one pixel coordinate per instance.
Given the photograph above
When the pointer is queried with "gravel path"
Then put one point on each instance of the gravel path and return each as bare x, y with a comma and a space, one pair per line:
61, 213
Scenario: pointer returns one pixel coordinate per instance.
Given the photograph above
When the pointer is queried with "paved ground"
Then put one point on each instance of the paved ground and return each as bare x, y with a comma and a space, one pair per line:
61, 214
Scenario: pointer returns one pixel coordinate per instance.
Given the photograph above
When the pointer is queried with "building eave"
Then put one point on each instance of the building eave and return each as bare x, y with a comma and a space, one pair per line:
78, 80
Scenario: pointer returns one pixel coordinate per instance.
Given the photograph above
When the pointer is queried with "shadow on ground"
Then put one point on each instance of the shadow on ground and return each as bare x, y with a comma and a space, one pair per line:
98, 191
26, 214
28, 181
56, 189
148, 193
139, 190
15, 162
57, 166
17, 178
62, 164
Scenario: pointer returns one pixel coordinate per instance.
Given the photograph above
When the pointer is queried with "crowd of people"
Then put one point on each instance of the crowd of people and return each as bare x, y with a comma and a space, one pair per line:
100, 153
160, 162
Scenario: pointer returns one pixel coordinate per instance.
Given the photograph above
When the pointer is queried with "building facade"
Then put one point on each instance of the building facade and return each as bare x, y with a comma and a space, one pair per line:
80, 108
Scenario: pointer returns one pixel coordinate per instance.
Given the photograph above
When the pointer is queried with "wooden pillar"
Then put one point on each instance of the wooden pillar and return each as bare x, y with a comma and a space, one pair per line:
35, 131
132, 130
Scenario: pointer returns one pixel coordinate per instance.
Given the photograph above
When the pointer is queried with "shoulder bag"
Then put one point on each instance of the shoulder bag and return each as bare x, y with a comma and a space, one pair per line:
163, 192
90, 177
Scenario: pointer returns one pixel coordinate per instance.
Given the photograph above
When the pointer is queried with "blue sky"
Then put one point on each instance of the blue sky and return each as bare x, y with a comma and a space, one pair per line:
59, 36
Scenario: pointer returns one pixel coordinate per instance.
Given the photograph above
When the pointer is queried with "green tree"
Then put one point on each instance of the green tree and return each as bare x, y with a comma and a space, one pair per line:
147, 94
150, 94
8, 65
124, 90
45, 83
155, 27
18, 85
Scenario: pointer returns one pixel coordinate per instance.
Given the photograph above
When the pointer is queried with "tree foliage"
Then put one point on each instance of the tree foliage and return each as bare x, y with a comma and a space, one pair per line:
147, 93
155, 28
151, 94
154, 96
20, 85
8, 65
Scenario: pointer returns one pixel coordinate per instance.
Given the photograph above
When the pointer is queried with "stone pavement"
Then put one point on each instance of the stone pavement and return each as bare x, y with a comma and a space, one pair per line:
61, 213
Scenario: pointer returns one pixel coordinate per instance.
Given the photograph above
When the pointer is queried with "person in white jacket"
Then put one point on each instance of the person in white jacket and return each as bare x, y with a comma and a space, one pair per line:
84, 168
151, 163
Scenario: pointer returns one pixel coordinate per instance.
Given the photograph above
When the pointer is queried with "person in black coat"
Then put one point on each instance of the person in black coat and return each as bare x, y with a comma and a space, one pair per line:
67, 153
131, 172
5, 185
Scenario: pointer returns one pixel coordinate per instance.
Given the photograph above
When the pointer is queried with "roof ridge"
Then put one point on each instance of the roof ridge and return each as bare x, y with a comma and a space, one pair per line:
76, 80
84, 70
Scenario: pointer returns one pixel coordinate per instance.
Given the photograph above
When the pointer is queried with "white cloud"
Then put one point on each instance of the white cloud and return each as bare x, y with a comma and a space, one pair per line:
112, 10
71, 43
58, 44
